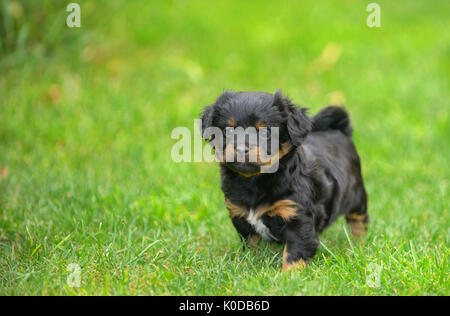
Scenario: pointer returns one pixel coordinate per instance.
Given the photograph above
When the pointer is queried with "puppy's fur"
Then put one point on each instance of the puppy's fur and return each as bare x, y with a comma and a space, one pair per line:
318, 179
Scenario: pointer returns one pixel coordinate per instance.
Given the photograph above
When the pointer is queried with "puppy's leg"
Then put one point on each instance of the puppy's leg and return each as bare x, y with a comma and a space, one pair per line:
358, 223
245, 231
301, 242
253, 239
357, 218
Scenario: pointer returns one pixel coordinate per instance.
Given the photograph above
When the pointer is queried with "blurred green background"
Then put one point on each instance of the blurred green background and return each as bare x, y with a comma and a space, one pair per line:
86, 115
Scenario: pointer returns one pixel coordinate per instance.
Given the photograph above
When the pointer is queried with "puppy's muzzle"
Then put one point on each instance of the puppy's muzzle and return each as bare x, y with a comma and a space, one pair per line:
242, 150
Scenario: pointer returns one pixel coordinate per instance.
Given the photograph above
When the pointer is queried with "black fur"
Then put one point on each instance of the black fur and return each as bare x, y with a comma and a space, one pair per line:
332, 117
321, 172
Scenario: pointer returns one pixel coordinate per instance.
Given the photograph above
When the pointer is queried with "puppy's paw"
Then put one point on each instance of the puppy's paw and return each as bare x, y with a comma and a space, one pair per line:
299, 265
291, 266
253, 241
358, 224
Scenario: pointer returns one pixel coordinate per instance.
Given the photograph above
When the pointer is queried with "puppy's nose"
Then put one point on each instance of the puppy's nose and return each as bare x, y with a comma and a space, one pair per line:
242, 149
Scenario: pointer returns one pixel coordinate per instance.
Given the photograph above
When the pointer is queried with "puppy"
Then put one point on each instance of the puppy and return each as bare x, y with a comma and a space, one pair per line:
317, 174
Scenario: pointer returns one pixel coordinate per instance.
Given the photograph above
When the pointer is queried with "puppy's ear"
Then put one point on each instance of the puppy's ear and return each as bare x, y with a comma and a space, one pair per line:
298, 123
225, 97
208, 112
207, 119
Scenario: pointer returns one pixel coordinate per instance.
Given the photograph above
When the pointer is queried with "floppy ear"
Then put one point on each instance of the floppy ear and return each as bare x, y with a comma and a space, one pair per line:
207, 118
207, 114
298, 123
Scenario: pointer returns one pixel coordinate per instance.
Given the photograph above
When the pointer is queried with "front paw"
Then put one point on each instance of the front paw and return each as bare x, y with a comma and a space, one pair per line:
299, 265
295, 265
253, 241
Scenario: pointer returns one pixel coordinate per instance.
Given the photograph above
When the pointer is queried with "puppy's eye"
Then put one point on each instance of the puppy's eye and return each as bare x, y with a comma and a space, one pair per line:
229, 131
264, 133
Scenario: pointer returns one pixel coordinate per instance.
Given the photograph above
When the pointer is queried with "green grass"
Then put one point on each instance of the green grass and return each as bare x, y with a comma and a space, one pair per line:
85, 122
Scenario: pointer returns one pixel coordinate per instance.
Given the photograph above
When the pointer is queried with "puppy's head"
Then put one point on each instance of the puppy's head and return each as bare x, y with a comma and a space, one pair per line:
256, 129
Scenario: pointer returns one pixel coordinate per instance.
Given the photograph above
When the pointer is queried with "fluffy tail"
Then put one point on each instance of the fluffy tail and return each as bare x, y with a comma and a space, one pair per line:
332, 117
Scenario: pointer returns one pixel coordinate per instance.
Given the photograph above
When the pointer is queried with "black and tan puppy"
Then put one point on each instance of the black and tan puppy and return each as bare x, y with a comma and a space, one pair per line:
318, 174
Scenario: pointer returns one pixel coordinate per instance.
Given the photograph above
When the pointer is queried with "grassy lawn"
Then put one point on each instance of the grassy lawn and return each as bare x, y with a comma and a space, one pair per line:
86, 175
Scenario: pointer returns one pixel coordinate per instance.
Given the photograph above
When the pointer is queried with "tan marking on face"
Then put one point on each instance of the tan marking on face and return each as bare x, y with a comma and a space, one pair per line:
255, 155
286, 209
260, 124
300, 264
285, 148
357, 224
231, 122
235, 210
229, 153
248, 174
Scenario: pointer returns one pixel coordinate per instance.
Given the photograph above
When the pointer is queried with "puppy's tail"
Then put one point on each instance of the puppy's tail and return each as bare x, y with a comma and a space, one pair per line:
332, 117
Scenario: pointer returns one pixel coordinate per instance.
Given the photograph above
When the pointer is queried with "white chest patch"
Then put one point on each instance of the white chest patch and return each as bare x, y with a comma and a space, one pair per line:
259, 226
